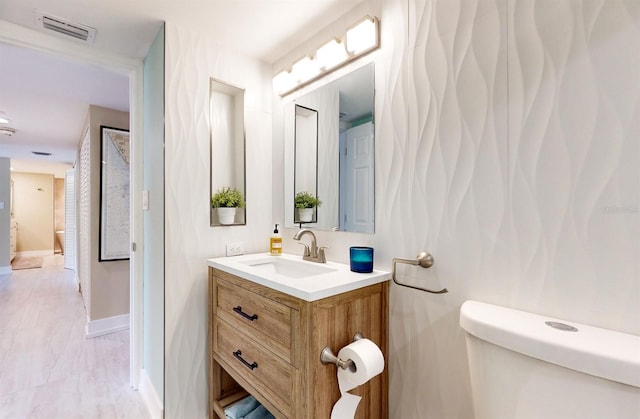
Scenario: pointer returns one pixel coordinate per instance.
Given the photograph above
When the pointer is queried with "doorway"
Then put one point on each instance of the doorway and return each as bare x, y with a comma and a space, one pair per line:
18, 36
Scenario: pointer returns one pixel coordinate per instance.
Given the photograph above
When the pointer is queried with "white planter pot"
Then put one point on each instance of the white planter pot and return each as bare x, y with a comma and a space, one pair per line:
226, 216
305, 214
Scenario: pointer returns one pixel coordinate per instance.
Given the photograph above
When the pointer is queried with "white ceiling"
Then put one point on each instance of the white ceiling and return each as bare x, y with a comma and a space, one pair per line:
47, 97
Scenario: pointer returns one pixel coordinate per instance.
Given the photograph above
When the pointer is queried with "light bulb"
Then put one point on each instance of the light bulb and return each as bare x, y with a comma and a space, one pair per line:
331, 54
304, 69
363, 36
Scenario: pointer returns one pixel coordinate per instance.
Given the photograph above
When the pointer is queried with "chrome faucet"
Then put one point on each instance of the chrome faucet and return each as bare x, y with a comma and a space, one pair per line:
312, 253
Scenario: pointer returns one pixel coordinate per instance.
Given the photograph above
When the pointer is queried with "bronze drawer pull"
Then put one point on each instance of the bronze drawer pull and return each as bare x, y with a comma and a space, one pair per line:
238, 355
238, 310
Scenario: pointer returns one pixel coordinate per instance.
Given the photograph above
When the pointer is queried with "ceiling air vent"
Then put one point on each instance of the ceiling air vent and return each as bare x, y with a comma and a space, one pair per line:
64, 27
41, 153
7, 131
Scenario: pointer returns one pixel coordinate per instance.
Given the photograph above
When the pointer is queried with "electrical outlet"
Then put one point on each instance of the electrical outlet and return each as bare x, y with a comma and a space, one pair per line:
234, 249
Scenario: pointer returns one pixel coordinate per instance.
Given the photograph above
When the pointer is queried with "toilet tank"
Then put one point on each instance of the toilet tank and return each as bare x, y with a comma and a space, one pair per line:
524, 365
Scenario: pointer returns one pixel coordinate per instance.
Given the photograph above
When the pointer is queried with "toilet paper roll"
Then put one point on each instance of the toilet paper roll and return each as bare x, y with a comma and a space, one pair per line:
369, 362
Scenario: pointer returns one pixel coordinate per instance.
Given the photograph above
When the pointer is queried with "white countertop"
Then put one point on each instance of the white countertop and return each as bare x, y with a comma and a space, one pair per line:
340, 279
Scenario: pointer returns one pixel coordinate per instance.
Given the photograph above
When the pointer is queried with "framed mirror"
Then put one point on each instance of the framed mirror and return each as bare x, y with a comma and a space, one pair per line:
227, 195
345, 161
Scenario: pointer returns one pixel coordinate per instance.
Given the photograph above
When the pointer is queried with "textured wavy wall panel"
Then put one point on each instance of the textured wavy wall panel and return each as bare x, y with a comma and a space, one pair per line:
574, 153
191, 59
509, 147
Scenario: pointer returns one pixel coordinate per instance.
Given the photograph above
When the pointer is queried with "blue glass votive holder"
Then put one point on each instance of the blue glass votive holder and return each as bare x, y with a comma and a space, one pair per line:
361, 259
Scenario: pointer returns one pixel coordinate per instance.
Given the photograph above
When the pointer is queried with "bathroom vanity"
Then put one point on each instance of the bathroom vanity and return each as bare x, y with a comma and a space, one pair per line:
269, 320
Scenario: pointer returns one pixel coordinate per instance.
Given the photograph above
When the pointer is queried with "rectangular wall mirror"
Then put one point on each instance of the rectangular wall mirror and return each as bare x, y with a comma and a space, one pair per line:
227, 198
344, 119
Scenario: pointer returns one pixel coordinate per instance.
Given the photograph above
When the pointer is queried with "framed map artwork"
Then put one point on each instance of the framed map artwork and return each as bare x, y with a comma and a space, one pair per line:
114, 194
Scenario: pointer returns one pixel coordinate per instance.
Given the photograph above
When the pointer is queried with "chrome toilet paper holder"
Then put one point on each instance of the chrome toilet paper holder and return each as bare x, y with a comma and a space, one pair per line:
328, 357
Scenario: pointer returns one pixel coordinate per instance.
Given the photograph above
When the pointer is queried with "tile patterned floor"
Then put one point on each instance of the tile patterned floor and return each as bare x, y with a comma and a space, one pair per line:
48, 369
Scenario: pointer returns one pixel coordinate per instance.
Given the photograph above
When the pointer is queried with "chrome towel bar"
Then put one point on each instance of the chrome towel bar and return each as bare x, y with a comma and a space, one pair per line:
424, 260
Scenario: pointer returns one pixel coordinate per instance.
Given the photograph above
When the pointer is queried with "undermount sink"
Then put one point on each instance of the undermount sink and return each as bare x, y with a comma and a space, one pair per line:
288, 268
300, 278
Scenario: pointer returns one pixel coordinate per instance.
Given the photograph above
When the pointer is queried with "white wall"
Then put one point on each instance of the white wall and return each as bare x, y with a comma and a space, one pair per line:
5, 214
521, 180
191, 59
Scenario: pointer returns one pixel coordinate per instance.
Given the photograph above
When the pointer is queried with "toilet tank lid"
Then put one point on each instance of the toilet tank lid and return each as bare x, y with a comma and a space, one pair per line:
604, 353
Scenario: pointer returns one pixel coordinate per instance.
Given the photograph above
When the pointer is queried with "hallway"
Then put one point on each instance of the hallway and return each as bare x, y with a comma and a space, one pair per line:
48, 369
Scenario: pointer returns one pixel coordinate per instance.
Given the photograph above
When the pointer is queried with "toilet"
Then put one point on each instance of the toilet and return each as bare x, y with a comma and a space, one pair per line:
524, 365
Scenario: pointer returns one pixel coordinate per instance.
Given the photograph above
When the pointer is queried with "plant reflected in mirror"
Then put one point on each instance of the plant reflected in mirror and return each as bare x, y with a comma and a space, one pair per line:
305, 203
306, 200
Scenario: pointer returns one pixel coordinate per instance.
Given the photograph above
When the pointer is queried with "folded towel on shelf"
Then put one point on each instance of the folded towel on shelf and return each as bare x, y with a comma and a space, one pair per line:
241, 408
260, 412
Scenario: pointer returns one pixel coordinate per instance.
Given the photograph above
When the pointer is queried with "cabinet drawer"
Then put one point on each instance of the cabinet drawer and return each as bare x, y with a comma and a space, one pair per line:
255, 364
266, 320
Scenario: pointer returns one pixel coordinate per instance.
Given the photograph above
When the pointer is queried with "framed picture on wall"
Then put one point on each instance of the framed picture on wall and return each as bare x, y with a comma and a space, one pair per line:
114, 194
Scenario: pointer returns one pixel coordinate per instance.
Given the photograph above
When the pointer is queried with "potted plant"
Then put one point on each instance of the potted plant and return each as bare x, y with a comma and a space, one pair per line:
305, 202
226, 201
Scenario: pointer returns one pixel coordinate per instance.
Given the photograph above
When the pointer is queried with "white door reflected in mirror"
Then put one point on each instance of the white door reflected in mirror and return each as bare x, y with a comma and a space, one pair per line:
356, 185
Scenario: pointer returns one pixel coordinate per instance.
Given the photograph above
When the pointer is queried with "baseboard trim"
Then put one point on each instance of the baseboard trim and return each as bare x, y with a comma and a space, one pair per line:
32, 253
108, 325
77, 279
150, 396
5, 270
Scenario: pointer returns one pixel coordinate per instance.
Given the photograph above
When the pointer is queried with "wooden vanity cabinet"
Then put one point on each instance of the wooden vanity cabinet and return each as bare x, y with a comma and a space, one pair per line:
267, 343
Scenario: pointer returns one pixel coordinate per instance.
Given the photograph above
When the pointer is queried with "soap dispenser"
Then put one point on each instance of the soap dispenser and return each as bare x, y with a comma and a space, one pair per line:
275, 247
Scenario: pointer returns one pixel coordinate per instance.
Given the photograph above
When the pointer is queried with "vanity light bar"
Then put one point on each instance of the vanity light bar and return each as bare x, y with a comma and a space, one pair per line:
359, 40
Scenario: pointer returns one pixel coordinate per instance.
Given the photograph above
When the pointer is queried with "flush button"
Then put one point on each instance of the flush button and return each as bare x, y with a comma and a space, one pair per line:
561, 326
